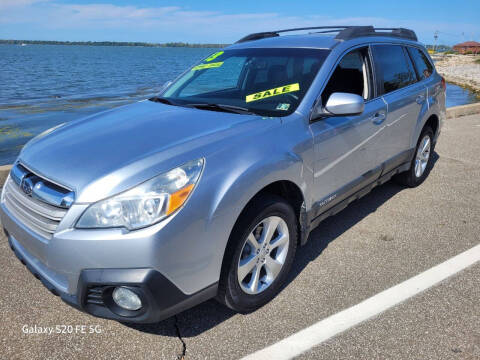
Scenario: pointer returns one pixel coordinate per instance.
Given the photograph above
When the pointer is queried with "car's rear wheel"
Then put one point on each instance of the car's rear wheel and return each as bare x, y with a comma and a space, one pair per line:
259, 255
422, 161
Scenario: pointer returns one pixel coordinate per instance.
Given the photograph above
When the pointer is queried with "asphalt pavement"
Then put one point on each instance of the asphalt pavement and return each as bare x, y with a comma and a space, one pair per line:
383, 239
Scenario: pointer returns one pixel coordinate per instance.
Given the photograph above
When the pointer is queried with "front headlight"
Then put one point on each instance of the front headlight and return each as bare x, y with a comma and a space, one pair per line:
147, 203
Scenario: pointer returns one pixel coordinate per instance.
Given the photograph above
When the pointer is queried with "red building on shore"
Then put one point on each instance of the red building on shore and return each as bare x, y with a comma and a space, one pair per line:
471, 47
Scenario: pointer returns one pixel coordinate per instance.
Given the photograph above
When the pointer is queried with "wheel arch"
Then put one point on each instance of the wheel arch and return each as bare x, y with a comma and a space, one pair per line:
287, 190
434, 124
428, 119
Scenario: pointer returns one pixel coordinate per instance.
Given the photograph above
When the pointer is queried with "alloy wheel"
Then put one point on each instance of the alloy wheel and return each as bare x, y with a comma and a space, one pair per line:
263, 255
423, 155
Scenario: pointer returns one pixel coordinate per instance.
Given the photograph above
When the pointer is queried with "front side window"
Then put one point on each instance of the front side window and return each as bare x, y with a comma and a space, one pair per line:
352, 75
267, 82
392, 67
422, 64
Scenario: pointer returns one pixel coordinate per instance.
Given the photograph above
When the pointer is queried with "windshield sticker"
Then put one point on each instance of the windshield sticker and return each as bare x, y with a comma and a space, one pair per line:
273, 92
213, 56
283, 106
207, 66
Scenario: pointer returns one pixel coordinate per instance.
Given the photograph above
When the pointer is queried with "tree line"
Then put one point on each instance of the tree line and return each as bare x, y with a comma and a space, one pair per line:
110, 43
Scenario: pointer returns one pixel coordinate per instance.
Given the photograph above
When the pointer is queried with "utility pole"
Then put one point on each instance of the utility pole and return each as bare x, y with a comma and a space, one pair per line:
435, 36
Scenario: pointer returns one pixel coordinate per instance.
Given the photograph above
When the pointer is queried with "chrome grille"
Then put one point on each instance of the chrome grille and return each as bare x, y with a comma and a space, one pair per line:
33, 212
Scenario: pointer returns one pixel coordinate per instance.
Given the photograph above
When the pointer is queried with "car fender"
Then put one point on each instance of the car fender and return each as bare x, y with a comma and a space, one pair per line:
245, 178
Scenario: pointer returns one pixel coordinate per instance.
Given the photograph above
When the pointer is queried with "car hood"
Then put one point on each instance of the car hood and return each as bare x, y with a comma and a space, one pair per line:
109, 152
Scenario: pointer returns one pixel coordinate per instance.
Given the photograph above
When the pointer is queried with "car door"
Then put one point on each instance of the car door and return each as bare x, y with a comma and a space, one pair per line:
346, 147
405, 98
424, 70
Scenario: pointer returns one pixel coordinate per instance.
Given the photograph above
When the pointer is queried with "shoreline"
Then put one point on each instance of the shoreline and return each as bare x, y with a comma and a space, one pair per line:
460, 70
463, 85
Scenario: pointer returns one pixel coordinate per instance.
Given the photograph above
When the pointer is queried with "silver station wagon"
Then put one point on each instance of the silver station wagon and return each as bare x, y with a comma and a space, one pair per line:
145, 210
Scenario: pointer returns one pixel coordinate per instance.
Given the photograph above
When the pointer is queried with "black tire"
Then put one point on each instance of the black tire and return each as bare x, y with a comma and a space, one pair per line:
409, 178
230, 292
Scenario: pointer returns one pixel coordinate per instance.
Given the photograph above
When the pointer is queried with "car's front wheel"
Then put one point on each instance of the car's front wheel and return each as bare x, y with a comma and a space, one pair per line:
259, 255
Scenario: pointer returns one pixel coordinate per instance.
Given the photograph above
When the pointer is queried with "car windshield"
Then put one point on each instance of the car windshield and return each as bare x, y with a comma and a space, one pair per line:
267, 82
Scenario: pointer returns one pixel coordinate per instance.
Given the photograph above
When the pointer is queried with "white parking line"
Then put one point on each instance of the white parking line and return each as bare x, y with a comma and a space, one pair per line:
317, 333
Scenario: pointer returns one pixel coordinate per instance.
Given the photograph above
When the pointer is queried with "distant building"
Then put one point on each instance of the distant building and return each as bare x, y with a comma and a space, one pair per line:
470, 47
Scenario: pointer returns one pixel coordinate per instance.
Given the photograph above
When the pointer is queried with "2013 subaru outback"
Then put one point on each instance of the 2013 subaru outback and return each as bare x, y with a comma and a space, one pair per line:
206, 190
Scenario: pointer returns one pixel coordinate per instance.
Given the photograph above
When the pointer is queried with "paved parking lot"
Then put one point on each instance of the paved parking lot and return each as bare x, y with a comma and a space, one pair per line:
381, 240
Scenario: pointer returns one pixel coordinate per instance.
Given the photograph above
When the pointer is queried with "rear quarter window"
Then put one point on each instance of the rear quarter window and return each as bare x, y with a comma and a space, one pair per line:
423, 66
392, 67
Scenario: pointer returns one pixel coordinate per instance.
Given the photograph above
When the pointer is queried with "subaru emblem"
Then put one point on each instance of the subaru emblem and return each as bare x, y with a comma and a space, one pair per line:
27, 186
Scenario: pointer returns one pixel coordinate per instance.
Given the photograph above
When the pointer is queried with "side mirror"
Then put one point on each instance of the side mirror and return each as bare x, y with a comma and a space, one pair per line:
345, 104
340, 104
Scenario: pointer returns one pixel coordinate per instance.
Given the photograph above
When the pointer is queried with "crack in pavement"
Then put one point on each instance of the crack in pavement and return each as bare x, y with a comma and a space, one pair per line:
184, 345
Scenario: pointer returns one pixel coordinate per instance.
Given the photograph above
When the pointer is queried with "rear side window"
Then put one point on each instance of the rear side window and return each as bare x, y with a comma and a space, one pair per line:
422, 64
392, 67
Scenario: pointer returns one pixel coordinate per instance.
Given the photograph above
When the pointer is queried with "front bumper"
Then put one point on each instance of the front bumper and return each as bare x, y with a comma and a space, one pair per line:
84, 270
160, 297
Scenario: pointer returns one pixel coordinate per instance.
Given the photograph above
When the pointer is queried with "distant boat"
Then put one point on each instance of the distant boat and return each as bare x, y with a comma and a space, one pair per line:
23, 44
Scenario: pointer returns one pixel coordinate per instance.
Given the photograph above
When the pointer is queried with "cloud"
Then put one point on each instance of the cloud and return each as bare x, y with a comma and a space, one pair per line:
109, 12
10, 4
175, 23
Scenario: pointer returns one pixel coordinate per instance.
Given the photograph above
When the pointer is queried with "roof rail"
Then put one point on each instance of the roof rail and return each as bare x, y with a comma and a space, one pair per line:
358, 31
344, 32
266, 34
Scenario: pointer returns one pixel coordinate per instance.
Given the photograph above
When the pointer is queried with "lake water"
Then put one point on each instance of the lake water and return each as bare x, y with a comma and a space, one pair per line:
44, 85
457, 95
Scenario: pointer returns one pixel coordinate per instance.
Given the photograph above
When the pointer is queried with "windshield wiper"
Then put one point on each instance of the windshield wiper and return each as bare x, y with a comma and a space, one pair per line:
221, 107
162, 100
206, 106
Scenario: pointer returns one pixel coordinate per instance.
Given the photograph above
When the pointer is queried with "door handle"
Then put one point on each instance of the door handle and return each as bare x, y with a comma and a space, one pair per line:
420, 99
379, 118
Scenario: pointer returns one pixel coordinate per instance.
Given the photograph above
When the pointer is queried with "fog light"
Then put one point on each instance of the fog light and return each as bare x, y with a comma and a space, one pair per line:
126, 299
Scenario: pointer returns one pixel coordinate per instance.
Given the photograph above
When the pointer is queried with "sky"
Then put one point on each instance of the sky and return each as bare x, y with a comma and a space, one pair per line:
217, 21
